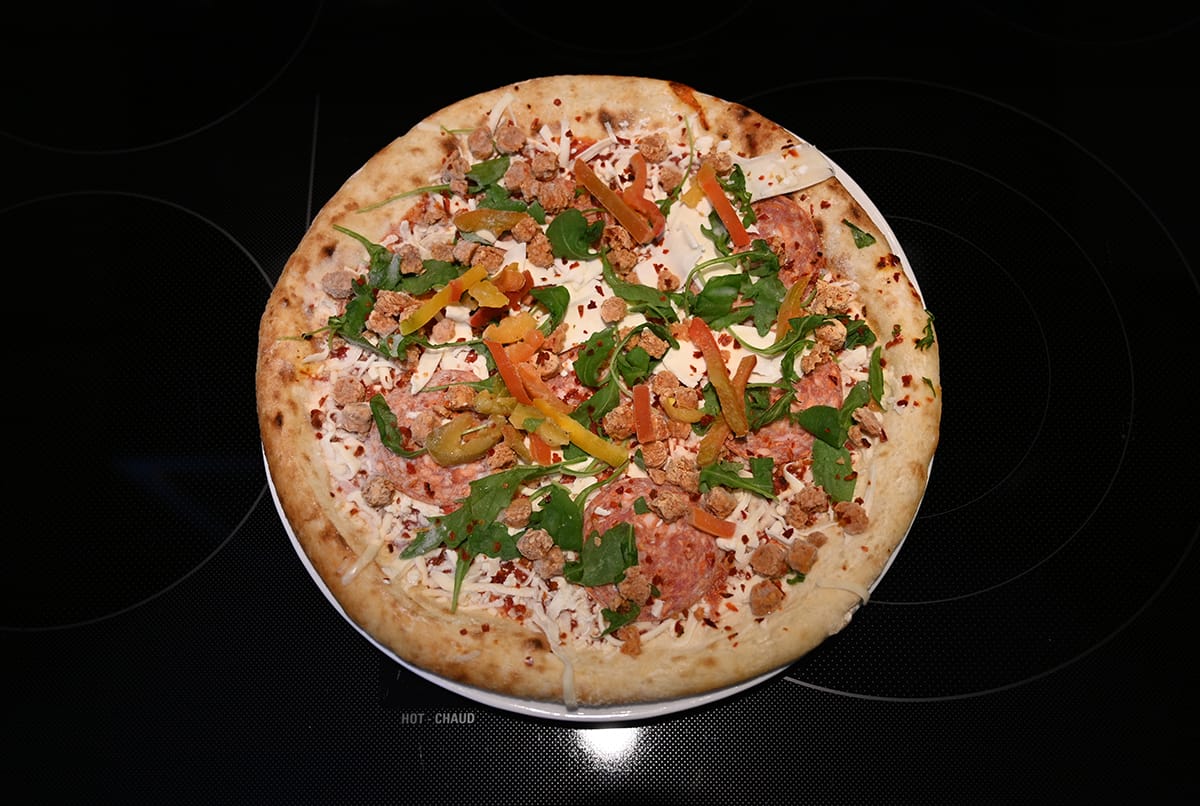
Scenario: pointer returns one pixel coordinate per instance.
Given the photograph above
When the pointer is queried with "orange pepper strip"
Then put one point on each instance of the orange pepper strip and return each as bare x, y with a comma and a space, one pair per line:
540, 449
508, 371
643, 417
705, 521
539, 390
635, 196
733, 405
706, 177
611, 201
714, 439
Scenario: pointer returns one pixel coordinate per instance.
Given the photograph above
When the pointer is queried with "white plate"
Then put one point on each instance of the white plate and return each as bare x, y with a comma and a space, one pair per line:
618, 713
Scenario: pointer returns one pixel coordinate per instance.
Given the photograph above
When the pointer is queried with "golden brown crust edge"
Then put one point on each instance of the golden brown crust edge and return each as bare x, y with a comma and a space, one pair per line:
504, 657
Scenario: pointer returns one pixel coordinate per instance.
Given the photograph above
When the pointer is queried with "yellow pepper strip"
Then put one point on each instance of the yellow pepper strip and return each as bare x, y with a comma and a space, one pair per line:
449, 293
494, 221
511, 328
733, 405
679, 413
487, 295
611, 201
597, 446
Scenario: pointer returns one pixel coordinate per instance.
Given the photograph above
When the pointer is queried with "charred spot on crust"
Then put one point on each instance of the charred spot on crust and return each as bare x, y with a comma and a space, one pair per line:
535, 645
328, 249
687, 96
278, 420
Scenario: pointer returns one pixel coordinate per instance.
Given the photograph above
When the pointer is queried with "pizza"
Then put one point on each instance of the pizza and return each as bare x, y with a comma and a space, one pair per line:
597, 390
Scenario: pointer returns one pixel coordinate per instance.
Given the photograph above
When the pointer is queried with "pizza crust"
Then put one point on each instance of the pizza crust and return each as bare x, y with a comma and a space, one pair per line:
498, 654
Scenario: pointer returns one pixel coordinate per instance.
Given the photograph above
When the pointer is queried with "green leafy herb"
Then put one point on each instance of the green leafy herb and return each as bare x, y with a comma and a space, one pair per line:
862, 239
604, 558
488, 498
875, 375
729, 474
651, 302
858, 333
626, 614
926, 341
831, 465
404, 195
556, 299
571, 237
389, 430
594, 355
562, 517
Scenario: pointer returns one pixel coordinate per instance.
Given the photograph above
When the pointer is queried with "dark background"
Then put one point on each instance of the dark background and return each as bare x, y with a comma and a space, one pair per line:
1032, 641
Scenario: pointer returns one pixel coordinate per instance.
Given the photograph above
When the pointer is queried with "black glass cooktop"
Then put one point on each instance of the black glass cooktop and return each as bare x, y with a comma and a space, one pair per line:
1031, 642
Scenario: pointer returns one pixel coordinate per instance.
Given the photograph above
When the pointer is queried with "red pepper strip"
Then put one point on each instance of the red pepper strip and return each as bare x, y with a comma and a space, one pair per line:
635, 196
643, 417
508, 371
527, 347
707, 179
540, 449
733, 405
611, 201
705, 521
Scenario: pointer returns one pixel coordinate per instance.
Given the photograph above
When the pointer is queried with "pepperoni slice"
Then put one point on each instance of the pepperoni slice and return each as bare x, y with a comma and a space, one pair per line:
782, 439
684, 564
790, 230
422, 478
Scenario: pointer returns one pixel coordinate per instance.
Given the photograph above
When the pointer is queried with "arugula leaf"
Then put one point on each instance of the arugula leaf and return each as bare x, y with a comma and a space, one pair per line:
594, 355
832, 470
633, 365
862, 239
571, 236
562, 517
858, 333
604, 558
729, 474
486, 173
875, 375
626, 614
926, 341
603, 400
488, 498
642, 299
831, 465
389, 429
493, 540
556, 299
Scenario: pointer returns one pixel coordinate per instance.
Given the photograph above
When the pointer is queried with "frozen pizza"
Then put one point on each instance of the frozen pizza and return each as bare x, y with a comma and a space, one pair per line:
598, 390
